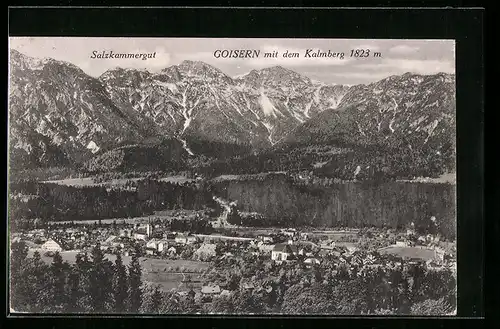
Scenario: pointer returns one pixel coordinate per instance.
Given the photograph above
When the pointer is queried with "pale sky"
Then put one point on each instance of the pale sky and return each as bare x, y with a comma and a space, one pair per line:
397, 56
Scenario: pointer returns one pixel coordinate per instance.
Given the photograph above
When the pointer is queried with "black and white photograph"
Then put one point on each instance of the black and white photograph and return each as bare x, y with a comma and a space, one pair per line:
236, 176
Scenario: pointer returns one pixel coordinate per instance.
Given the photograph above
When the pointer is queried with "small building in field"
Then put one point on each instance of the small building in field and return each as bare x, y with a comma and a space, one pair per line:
141, 234
150, 251
172, 251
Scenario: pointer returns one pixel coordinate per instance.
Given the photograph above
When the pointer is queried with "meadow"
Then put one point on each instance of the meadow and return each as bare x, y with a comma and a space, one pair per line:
166, 273
410, 252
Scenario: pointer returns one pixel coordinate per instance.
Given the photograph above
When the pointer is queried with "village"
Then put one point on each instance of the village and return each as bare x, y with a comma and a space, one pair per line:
181, 261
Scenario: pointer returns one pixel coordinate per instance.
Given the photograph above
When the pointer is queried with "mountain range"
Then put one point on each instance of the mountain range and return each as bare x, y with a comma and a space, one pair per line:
59, 115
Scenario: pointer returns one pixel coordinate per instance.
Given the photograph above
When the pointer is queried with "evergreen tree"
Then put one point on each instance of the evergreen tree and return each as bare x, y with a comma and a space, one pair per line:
152, 300
83, 268
37, 279
135, 289
73, 290
58, 271
18, 287
156, 300
100, 283
120, 285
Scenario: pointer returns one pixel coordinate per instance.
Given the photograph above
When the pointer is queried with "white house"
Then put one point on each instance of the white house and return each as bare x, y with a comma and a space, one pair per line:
185, 239
172, 250
206, 250
439, 254
158, 245
52, 245
289, 232
283, 251
266, 239
143, 232
210, 290
125, 233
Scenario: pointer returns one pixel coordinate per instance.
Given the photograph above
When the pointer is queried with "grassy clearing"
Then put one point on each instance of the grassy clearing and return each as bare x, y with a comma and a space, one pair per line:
179, 179
410, 252
169, 281
116, 182
162, 214
87, 181
105, 221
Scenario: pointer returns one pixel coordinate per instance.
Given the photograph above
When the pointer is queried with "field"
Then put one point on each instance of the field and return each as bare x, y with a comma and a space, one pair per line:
409, 252
133, 220
176, 179
445, 178
169, 281
168, 274
225, 177
163, 214
352, 236
89, 181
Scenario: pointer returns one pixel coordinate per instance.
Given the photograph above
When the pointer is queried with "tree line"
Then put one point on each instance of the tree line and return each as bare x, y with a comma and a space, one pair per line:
282, 201
93, 284
400, 161
333, 288
54, 202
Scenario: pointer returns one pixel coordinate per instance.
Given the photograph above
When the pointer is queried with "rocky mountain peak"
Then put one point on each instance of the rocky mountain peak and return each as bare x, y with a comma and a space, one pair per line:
200, 69
275, 75
127, 76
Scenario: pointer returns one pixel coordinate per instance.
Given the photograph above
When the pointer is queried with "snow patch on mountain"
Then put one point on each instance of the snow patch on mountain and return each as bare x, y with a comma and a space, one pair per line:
430, 129
267, 106
393, 115
185, 146
269, 128
308, 108
170, 86
316, 95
